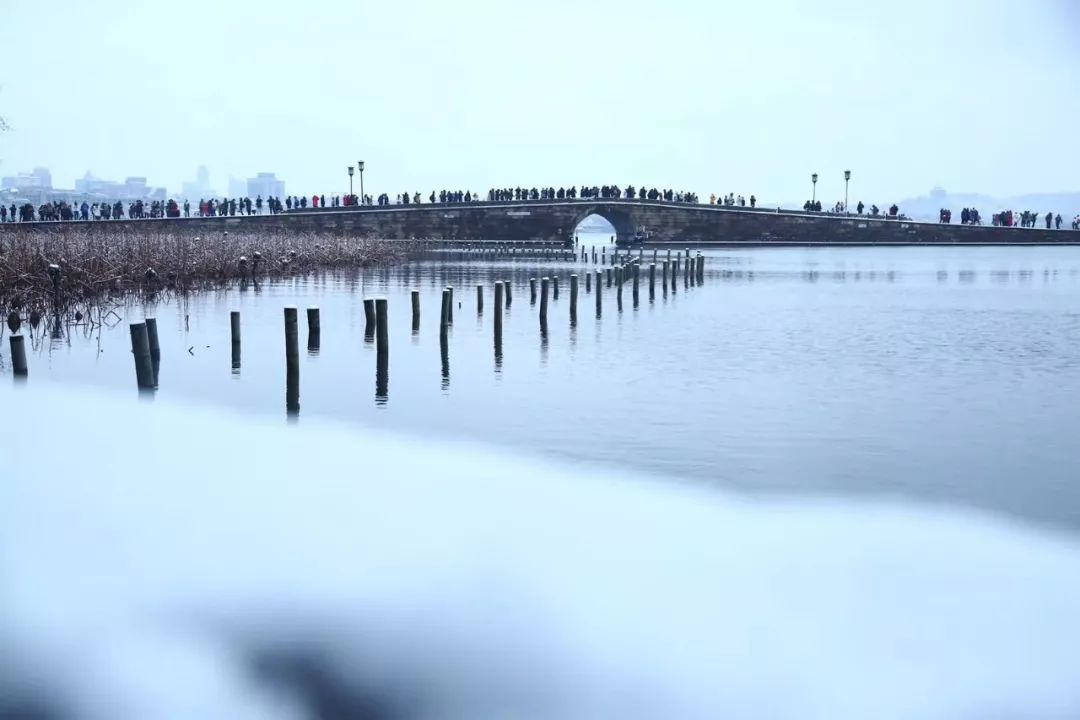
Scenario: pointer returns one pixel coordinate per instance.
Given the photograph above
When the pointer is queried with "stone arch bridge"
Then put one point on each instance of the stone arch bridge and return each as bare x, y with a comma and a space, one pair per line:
664, 222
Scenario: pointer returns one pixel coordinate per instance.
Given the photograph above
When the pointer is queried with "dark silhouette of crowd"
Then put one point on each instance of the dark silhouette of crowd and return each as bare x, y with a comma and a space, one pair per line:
213, 207
1027, 219
732, 200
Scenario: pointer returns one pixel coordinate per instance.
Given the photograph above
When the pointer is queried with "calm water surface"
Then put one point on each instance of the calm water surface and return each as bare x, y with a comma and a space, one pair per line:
946, 375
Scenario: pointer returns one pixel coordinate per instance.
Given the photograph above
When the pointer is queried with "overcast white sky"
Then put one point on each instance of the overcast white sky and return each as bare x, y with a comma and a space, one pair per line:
745, 97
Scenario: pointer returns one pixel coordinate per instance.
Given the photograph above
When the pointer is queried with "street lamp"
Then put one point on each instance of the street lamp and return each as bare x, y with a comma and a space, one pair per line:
847, 179
813, 198
360, 164
350, 168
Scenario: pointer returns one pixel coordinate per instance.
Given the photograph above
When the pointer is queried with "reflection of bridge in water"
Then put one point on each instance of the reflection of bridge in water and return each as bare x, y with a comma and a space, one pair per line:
681, 223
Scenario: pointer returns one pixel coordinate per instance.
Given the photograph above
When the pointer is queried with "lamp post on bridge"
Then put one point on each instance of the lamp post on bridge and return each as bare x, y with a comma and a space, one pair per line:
813, 197
847, 179
350, 168
360, 164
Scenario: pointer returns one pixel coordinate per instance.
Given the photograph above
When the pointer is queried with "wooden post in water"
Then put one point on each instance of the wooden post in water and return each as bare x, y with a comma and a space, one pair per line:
450, 307
543, 300
593, 254
603, 255
686, 271
313, 319
18, 355
292, 343
507, 293
675, 273
700, 269
663, 277
532, 291
155, 347
382, 330
152, 337
479, 299
498, 325
654, 251
234, 332
573, 299
140, 349
381, 350
443, 321
607, 276
415, 311
500, 289
314, 331
669, 255
599, 293
555, 287
369, 319
588, 283
652, 279
636, 271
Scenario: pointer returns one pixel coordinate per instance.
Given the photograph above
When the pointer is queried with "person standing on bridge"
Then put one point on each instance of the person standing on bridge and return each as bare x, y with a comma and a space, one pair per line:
1057, 221
1049, 219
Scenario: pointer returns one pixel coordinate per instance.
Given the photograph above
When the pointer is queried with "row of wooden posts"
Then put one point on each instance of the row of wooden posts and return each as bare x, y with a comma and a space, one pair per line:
550, 252
146, 349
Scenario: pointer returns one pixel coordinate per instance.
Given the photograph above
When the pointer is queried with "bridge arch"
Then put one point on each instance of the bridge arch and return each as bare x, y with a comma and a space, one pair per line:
618, 218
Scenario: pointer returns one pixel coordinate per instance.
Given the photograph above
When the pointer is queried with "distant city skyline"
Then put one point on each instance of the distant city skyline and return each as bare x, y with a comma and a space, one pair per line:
38, 182
711, 97
37, 186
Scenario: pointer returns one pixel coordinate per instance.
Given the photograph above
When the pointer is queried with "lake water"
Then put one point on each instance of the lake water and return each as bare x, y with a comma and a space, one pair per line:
938, 374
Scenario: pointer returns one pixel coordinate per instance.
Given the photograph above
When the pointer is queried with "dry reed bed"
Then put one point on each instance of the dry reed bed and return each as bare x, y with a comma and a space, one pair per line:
98, 262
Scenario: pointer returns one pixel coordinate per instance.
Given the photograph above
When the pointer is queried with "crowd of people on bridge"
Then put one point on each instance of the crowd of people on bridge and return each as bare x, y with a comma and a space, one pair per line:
839, 208
586, 192
1005, 218
213, 207
1026, 219
732, 200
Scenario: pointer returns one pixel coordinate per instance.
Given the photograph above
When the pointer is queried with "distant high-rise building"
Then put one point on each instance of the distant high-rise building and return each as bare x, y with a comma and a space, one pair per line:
135, 187
38, 179
37, 185
237, 187
44, 177
265, 185
200, 189
90, 185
